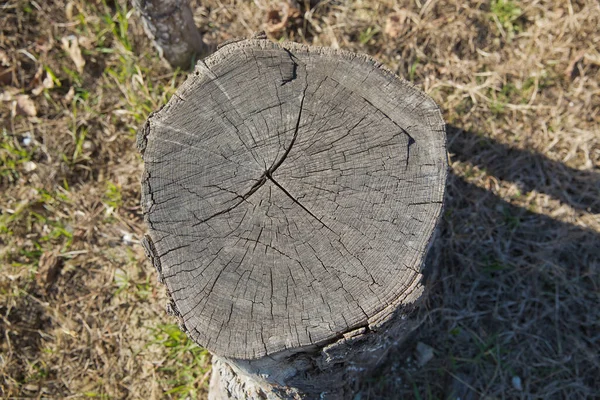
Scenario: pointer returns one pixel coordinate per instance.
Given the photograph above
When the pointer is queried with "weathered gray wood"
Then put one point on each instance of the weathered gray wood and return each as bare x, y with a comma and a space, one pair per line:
170, 24
291, 194
329, 371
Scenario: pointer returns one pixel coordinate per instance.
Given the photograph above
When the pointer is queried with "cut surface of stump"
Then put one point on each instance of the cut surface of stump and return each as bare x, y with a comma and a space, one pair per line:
291, 194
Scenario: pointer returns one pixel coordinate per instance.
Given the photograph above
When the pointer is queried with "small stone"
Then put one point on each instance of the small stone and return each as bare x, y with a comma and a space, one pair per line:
128, 238
516, 382
29, 166
88, 145
27, 140
423, 354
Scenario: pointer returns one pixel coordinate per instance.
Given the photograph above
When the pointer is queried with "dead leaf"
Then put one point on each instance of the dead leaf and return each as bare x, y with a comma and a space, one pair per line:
86, 42
396, 24
277, 18
25, 106
70, 94
4, 59
8, 94
71, 45
5, 75
5, 69
47, 83
569, 72
37, 78
69, 10
48, 270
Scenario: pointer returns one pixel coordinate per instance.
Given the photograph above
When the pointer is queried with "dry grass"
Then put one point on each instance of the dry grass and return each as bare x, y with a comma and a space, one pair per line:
516, 290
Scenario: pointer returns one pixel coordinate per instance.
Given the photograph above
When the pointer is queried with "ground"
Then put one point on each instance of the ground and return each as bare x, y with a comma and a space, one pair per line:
513, 276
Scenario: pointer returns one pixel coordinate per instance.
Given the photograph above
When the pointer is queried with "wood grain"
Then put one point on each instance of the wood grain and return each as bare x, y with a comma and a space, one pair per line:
291, 194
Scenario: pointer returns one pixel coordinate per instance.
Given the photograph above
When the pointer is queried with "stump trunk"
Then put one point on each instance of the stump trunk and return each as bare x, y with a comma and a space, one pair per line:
291, 194
170, 25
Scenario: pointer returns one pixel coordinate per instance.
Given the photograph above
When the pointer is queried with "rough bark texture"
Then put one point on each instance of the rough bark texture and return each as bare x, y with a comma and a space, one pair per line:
292, 193
331, 371
170, 24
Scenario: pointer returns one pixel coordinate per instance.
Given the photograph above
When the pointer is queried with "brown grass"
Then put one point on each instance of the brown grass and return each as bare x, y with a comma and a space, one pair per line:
515, 292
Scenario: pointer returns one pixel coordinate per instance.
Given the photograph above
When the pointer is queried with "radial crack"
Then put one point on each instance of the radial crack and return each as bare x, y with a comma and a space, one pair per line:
411, 140
294, 74
284, 156
297, 202
243, 198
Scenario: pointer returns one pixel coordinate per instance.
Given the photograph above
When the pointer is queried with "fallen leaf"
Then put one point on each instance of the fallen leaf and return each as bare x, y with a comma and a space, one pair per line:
71, 45
25, 106
8, 94
30, 387
86, 42
396, 24
47, 83
70, 94
569, 72
48, 270
5, 76
69, 10
277, 18
37, 78
5, 69
4, 59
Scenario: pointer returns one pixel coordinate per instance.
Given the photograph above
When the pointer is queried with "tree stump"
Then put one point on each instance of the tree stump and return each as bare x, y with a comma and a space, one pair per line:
291, 194
170, 26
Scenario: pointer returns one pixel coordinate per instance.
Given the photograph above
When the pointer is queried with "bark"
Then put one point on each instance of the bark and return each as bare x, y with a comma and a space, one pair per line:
292, 193
170, 24
327, 371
